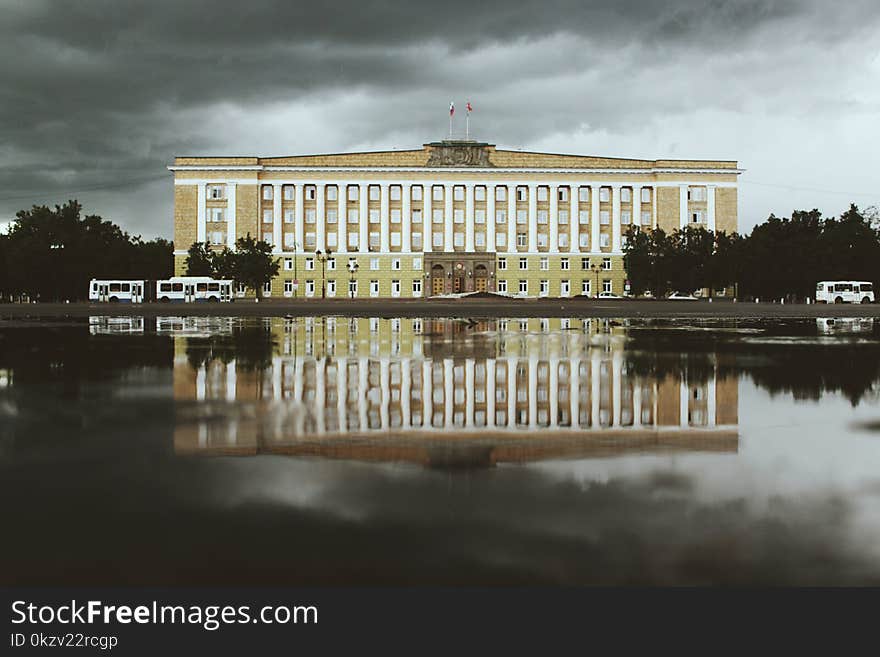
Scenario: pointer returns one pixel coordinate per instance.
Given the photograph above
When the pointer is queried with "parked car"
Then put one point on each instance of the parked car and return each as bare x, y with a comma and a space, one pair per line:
677, 296
609, 295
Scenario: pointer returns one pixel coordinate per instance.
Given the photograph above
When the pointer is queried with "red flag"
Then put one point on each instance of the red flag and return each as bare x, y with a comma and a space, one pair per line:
469, 108
451, 109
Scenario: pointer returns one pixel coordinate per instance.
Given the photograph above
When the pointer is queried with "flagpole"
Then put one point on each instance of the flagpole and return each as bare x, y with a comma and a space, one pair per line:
467, 126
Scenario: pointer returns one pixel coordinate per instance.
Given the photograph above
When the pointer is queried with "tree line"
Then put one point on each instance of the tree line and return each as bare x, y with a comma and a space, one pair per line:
50, 254
251, 263
783, 257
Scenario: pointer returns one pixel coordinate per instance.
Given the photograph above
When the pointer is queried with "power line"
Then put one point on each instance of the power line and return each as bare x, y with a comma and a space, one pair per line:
93, 188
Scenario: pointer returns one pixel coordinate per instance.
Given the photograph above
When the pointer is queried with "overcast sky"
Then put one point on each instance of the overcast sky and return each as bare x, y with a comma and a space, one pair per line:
97, 96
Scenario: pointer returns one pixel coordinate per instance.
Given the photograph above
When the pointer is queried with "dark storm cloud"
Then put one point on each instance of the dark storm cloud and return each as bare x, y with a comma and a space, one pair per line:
98, 93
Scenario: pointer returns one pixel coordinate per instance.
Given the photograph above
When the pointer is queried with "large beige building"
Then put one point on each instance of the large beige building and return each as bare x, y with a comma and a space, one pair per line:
453, 216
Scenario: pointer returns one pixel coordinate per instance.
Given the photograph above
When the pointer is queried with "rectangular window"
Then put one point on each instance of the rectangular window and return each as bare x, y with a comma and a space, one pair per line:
523, 263
416, 240
267, 216
395, 288
395, 264
216, 192
479, 216
543, 193
696, 193
563, 240
606, 285
696, 217
289, 240
310, 241
267, 192
267, 288
288, 192
437, 192
584, 216
604, 194
374, 288
542, 240
267, 238
523, 287
217, 237
500, 239
458, 192
417, 264
310, 192
583, 240
395, 238
563, 193
458, 239
288, 264
604, 240
522, 239
584, 194
604, 217
585, 264
501, 193
563, 264
625, 217
310, 215
374, 215
500, 216
458, 216
331, 290
646, 218
625, 195
331, 216
288, 286
542, 216
522, 216
479, 193
437, 215
479, 239
502, 286
353, 193
564, 290
332, 192
216, 214
544, 264
646, 194
374, 240
395, 215
352, 289
522, 193
310, 264
437, 239
353, 215
331, 264
544, 288
394, 191
331, 239
416, 192
502, 264
416, 216
585, 287
562, 217
310, 288
374, 192
417, 287
606, 264
353, 239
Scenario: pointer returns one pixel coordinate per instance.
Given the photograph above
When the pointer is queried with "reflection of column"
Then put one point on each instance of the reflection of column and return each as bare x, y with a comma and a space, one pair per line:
617, 386
469, 390
427, 394
342, 394
320, 397
201, 377
637, 403
405, 392
230, 380
276, 377
574, 391
683, 402
710, 400
363, 423
298, 379
448, 391
384, 378
554, 391
511, 393
490, 392
595, 385
533, 391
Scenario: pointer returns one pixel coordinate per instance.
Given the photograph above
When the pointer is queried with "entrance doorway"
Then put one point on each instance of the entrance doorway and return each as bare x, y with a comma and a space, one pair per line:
481, 278
438, 280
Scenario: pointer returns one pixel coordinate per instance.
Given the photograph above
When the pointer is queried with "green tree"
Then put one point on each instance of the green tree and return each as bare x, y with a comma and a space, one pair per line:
254, 265
224, 263
199, 260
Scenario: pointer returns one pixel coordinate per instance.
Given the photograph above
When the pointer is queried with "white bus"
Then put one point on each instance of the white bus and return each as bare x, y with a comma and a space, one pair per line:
844, 292
121, 291
189, 289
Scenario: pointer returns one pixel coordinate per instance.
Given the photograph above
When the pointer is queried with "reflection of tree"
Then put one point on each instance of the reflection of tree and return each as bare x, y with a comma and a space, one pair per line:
250, 347
805, 369
70, 354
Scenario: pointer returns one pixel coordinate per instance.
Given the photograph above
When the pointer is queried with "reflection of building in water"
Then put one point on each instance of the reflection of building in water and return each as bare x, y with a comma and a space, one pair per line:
106, 324
523, 389
845, 324
195, 326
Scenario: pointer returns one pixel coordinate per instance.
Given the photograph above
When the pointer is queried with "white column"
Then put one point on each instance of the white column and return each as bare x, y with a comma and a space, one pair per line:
553, 219
637, 403
710, 207
469, 217
448, 392
298, 219
298, 379
682, 206
533, 220
637, 205
448, 223
554, 391
574, 221
574, 391
490, 391
321, 218
405, 219
364, 219
405, 393
533, 390
201, 378
363, 388
201, 213
276, 218
711, 402
341, 218
427, 394
230, 215
427, 191
616, 387
490, 218
385, 387
469, 392
615, 219
594, 221
320, 397
511, 392
683, 398
384, 219
511, 219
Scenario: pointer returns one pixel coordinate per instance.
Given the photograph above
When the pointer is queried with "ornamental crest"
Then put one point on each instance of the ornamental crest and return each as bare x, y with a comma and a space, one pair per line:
458, 154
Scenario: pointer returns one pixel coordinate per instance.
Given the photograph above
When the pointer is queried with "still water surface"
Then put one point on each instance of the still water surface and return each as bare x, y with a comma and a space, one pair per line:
187, 451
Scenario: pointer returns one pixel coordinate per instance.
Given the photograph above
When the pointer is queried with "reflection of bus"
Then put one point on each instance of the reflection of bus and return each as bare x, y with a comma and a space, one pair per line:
845, 324
121, 291
844, 292
193, 288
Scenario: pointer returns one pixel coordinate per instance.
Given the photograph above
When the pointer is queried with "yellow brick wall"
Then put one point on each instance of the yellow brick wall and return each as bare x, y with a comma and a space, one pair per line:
185, 211
668, 208
726, 209
247, 209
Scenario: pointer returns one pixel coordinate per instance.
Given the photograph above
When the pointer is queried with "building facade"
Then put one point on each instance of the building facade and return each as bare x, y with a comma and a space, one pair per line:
451, 217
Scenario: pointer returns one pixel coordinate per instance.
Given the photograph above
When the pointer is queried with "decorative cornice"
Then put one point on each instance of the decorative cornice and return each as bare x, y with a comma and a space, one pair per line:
451, 169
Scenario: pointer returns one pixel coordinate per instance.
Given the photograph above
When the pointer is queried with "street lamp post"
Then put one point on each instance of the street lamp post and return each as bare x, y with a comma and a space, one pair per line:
596, 269
352, 270
323, 258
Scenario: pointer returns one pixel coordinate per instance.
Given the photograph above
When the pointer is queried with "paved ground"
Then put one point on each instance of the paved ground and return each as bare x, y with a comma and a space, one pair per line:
483, 307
